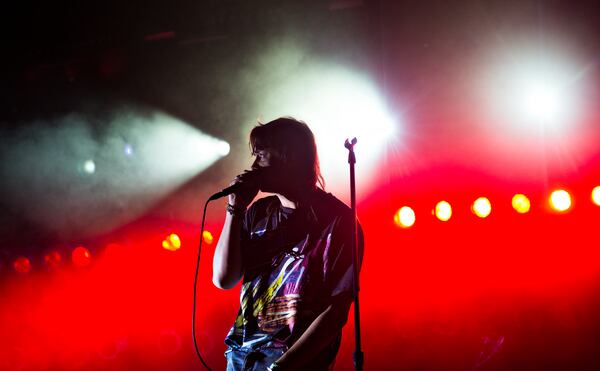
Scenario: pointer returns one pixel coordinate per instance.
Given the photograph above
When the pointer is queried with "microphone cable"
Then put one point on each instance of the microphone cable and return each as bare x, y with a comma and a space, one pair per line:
195, 286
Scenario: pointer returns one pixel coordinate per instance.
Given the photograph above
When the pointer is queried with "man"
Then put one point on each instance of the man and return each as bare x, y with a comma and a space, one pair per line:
293, 251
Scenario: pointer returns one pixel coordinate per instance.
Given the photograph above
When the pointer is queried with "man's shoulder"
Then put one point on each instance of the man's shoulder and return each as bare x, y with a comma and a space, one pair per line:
327, 204
265, 201
261, 205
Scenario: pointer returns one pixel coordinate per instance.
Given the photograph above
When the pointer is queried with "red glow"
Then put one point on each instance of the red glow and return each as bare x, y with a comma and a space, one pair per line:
129, 302
22, 265
113, 249
81, 256
52, 260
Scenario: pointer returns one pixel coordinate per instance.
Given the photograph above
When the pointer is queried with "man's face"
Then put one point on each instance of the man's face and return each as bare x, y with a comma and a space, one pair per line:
271, 168
264, 158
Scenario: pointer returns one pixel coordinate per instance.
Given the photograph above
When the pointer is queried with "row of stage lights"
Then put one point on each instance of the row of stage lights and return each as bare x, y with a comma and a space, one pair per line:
81, 256
559, 200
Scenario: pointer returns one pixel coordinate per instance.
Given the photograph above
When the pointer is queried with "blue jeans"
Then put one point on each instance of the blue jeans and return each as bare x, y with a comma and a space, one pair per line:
245, 359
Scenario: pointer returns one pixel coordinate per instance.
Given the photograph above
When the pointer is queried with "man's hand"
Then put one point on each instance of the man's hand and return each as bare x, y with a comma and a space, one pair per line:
318, 335
249, 180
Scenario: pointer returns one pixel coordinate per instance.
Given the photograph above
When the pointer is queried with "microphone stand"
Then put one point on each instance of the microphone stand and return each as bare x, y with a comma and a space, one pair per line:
358, 353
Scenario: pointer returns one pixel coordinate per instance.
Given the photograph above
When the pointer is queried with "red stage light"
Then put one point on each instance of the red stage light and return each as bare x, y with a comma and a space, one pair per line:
52, 260
596, 195
481, 207
405, 217
207, 237
521, 203
443, 211
81, 256
172, 242
560, 200
22, 265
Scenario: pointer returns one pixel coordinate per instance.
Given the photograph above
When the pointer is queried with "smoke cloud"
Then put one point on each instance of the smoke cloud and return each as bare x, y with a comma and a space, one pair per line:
137, 157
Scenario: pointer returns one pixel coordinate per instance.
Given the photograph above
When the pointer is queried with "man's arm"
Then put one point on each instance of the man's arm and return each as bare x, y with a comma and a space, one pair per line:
227, 261
318, 335
228, 267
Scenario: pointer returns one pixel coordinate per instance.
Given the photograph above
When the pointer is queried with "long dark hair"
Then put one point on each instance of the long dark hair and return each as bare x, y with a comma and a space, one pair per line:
294, 143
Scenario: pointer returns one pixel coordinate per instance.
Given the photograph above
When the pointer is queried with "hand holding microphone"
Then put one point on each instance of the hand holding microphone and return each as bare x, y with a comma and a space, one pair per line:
242, 189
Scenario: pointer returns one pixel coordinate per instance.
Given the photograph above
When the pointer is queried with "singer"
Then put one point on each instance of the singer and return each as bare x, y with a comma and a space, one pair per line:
293, 252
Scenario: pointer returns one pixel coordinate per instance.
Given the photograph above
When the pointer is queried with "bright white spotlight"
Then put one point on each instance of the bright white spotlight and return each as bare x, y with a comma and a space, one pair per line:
533, 90
357, 111
541, 101
128, 150
89, 167
223, 148
338, 104
176, 150
165, 153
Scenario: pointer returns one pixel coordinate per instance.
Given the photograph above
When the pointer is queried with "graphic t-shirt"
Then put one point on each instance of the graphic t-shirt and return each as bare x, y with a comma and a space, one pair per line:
295, 261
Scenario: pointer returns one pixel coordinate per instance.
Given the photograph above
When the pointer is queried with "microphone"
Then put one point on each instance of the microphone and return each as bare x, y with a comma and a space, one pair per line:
253, 174
226, 191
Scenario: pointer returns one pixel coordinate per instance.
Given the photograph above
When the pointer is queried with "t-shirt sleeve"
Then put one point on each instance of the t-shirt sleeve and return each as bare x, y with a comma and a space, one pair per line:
245, 237
337, 269
247, 225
